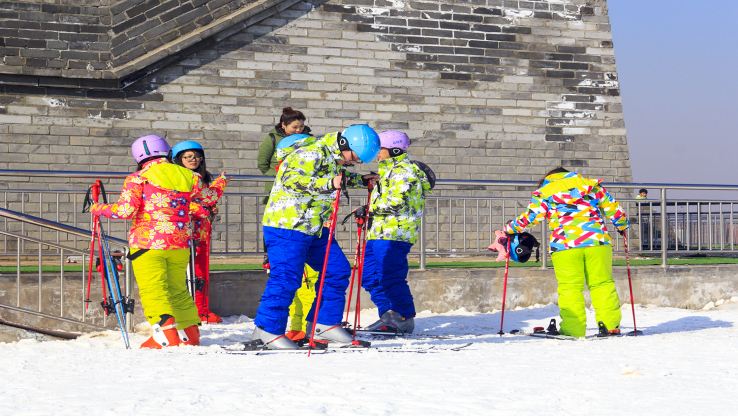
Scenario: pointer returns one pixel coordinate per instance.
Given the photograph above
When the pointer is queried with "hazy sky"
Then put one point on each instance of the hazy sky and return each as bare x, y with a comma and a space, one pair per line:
678, 67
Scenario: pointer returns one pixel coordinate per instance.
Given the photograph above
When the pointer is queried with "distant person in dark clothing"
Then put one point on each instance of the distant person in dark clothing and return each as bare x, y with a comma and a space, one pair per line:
290, 122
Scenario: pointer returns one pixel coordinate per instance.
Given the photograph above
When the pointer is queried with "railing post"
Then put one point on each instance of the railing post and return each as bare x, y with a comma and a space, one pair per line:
421, 237
664, 236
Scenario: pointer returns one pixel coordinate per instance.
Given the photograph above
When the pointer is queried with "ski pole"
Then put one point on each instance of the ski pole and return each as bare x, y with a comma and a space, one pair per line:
630, 284
364, 227
331, 233
353, 276
93, 194
191, 286
113, 284
91, 262
504, 287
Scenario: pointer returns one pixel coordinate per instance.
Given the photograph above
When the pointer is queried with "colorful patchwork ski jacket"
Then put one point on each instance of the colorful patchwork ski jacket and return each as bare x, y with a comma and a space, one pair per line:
303, 192
575, 207
208, 198
157, 198
398, 200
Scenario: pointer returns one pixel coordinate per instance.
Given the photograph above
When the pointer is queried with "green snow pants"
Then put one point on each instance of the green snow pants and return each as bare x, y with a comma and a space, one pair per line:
593, 266
162, 285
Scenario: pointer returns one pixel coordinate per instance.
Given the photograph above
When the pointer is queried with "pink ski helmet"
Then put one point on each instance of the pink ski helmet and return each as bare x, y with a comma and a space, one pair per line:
149, 146
394, 139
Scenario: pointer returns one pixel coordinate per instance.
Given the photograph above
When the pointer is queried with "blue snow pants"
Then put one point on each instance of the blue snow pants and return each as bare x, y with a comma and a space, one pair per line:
385, 276
288, 252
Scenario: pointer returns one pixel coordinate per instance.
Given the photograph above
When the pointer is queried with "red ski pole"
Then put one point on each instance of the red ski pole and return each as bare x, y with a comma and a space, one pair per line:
95, 196
630, 286
504, 288
353, 277
331, 233
364, 229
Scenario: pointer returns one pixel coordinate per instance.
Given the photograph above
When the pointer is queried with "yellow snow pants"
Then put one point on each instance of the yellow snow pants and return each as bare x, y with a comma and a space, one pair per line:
303, 300
162, 285
575, 267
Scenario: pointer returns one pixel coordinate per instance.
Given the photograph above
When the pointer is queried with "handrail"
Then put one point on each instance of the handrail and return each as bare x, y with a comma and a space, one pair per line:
472, 182
46, 243
53, 225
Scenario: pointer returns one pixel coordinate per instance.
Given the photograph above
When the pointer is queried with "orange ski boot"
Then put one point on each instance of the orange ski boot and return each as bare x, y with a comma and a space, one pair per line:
165, 334
295, 335
190, 335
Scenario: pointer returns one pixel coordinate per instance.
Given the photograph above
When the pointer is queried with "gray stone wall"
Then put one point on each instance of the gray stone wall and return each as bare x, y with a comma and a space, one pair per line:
86, 39
487, 89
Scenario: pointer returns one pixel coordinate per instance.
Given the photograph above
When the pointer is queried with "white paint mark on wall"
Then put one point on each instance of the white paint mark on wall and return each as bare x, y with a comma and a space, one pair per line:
55, 102
372, 11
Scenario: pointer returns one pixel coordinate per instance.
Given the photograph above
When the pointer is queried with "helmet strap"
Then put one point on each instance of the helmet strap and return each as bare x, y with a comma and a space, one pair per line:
343, 143
396, 151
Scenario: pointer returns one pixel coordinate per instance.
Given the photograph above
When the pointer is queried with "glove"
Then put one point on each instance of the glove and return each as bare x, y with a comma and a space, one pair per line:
361, 213
369, 178
622, 232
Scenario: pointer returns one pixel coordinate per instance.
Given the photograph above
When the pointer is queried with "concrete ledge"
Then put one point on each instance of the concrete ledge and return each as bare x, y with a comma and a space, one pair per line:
480, 290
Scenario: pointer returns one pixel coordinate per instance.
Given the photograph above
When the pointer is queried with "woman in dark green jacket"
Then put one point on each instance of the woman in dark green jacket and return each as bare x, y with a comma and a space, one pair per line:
291, 122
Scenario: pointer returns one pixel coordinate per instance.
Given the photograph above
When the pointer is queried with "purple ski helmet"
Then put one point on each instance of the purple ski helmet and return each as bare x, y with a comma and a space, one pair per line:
149, 146
394, 139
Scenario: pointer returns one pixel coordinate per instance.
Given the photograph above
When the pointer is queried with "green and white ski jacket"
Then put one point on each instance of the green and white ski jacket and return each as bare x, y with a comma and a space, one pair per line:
398, 200
303, 192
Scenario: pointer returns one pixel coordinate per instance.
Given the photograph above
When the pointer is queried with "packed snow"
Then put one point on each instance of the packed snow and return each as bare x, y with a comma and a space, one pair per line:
684, 364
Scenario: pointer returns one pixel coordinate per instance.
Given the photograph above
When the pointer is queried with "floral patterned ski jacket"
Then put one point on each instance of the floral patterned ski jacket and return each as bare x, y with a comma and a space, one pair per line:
157, 198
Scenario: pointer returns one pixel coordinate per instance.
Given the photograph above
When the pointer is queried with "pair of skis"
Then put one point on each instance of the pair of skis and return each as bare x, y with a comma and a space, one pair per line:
113, 300
550, 334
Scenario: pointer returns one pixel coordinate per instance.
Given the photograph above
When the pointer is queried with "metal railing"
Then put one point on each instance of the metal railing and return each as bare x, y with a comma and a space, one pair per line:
43, 283
459, 219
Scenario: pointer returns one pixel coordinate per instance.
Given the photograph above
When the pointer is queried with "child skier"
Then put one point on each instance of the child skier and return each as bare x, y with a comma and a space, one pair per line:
396, 208
299, 204
157, 198
579, 243
191, 155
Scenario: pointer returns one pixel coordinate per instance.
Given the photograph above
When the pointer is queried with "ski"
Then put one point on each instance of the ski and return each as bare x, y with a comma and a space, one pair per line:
349, 349
404, 335
551, 332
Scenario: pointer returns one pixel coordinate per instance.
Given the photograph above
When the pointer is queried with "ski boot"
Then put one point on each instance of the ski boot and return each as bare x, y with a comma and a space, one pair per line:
393, 322
295, 335
190, 335
272, 341
602, 330
330, 333
211, 318
165, 334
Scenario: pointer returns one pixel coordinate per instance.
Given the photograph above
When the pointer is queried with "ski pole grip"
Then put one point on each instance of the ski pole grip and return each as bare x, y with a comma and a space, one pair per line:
95, 191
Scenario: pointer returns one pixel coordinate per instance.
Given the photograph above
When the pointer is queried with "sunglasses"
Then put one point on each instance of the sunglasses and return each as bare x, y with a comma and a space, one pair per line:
191, 158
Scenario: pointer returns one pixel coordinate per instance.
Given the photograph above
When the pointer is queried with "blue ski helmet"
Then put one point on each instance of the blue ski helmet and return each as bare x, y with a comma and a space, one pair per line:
291, 139
521, 247
362, 140
185, 146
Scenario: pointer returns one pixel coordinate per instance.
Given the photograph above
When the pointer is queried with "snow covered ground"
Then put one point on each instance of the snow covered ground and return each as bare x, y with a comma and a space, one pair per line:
685, 364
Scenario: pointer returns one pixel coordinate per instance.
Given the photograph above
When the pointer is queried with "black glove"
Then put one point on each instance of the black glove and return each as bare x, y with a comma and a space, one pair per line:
622, 232
365, 179
360, 213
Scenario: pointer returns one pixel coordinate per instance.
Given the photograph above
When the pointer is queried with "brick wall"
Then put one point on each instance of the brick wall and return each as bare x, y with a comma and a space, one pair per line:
87, 39
487, 89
